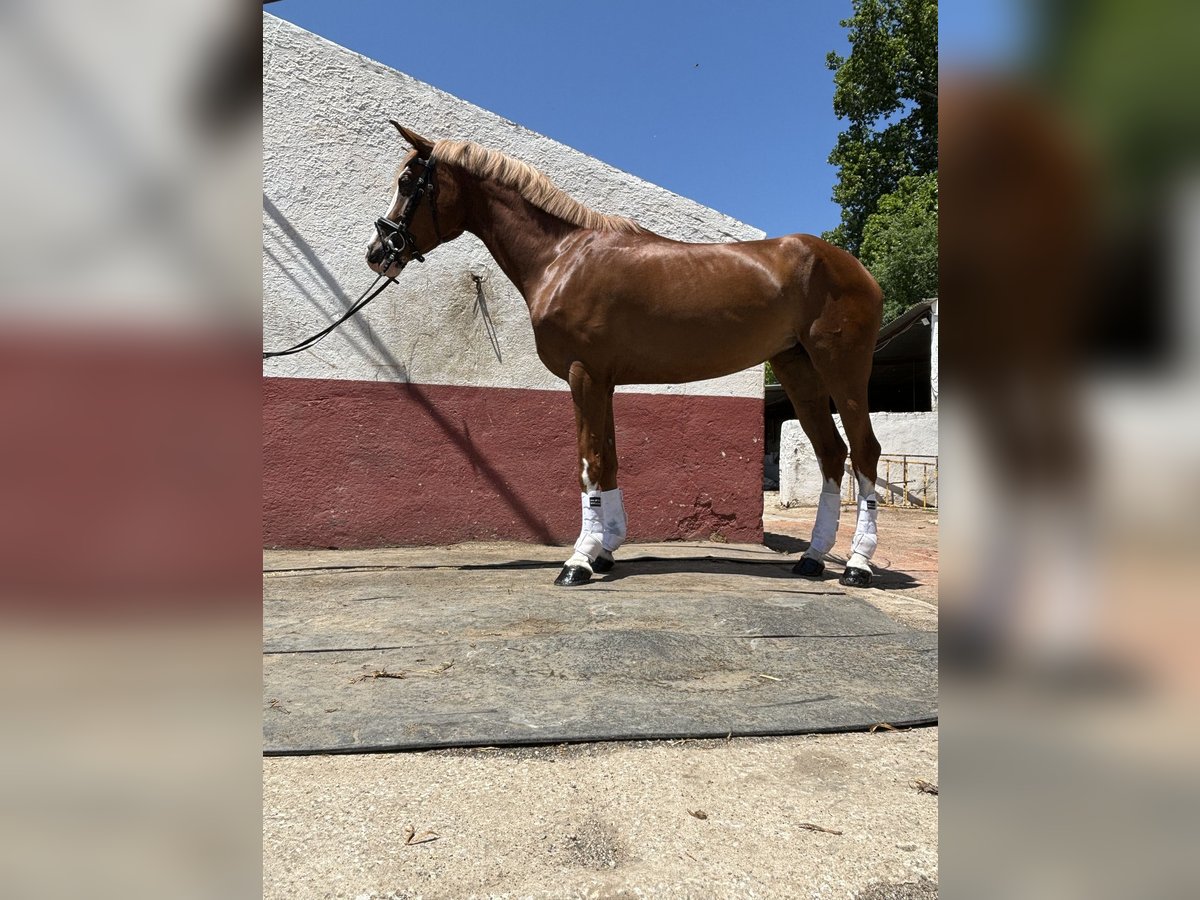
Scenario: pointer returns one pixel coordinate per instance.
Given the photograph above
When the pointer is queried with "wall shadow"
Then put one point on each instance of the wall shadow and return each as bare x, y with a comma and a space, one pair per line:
459, 438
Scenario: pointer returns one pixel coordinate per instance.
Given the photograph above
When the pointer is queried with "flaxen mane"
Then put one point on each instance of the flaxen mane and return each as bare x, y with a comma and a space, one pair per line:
529, 183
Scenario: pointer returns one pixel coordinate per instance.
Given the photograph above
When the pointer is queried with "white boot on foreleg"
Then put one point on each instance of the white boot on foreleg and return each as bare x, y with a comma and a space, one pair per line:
824, 533
589, 547
612, 515
862, 547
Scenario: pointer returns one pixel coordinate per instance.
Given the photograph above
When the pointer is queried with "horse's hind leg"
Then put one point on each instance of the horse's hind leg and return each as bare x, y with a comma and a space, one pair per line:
810, 399
846, 372
603, 526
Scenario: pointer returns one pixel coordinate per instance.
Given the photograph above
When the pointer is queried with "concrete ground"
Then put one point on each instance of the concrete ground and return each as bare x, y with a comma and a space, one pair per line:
808, 816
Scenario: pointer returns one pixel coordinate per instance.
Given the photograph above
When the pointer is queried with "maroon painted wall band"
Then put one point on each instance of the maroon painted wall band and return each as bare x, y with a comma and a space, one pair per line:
356, 464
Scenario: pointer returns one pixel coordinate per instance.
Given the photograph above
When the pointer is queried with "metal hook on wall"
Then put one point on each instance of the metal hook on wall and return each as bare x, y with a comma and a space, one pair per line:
488, 324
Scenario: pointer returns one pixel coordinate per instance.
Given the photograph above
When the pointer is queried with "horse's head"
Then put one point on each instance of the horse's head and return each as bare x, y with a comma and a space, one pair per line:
423, 212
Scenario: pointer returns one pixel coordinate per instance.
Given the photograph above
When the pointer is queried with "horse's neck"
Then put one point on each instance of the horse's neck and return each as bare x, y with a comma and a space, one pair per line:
524, 240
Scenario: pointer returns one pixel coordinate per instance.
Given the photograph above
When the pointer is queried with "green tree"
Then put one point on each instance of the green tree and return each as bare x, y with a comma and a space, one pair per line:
900, 244
886, 90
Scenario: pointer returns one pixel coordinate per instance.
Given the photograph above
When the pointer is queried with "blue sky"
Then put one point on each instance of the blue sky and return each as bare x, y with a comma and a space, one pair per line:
727, 103
983, 33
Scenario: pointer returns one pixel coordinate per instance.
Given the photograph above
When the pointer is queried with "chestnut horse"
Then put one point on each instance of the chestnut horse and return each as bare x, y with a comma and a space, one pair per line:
612, 303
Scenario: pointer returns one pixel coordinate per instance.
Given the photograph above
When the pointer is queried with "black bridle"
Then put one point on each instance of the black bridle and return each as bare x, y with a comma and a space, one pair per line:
389, 233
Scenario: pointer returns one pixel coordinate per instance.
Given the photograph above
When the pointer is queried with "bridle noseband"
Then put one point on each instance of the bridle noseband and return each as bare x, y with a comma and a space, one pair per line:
396, 236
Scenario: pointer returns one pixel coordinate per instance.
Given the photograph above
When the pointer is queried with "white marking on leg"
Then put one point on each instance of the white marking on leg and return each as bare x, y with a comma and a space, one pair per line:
590, 486
862, 548
825, 528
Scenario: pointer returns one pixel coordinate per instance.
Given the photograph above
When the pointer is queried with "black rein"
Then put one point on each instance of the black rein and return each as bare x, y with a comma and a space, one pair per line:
389, 232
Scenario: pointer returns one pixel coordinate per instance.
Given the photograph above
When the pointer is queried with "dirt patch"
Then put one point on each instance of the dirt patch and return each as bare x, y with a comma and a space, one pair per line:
594, 845
924, 889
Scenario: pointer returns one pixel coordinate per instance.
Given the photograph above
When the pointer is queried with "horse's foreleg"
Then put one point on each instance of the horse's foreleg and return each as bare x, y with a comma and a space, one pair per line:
612, 504
592, 415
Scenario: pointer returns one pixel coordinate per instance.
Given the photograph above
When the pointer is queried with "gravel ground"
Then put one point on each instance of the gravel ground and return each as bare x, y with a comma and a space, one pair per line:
680, 819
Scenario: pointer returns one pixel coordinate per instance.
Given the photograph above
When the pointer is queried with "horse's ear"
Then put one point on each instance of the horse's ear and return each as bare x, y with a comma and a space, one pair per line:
418, 143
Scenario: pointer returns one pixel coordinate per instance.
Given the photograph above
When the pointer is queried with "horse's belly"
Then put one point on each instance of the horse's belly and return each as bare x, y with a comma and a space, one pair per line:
689, 330
680, 371
672, 356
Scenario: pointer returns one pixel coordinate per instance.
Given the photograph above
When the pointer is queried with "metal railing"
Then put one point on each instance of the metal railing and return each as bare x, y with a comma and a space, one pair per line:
908, 480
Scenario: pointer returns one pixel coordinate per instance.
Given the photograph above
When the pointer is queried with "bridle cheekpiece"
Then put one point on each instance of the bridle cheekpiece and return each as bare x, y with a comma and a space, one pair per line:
396, 236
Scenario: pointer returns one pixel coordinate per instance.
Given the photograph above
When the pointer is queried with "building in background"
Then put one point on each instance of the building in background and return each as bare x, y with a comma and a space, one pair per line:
903, 399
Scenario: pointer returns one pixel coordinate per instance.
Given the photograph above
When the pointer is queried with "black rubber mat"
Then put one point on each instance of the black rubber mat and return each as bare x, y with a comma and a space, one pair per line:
420, 655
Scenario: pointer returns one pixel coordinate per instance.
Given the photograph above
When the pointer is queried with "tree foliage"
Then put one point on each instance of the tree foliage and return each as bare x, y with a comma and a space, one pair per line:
900, 244
886, 90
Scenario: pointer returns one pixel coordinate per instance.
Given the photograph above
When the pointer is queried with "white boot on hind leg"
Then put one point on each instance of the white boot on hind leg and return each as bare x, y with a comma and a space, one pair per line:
824, 533
862, 548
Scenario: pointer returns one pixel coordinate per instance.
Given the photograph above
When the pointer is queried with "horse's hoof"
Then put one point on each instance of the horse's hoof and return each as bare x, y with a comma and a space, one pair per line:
602, 565
573, 575
808, 567
855, 578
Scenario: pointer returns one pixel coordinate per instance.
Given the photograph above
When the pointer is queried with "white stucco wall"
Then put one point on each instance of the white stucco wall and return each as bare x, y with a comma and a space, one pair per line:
329, 159
899, 433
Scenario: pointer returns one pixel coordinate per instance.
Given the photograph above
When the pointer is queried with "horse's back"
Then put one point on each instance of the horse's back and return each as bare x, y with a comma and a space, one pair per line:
825, 283
841, 268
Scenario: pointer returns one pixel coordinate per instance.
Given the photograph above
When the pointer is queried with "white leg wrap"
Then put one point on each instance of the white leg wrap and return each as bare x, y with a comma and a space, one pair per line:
612, 513
591, 535
825, 528
862, 548
580, 559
